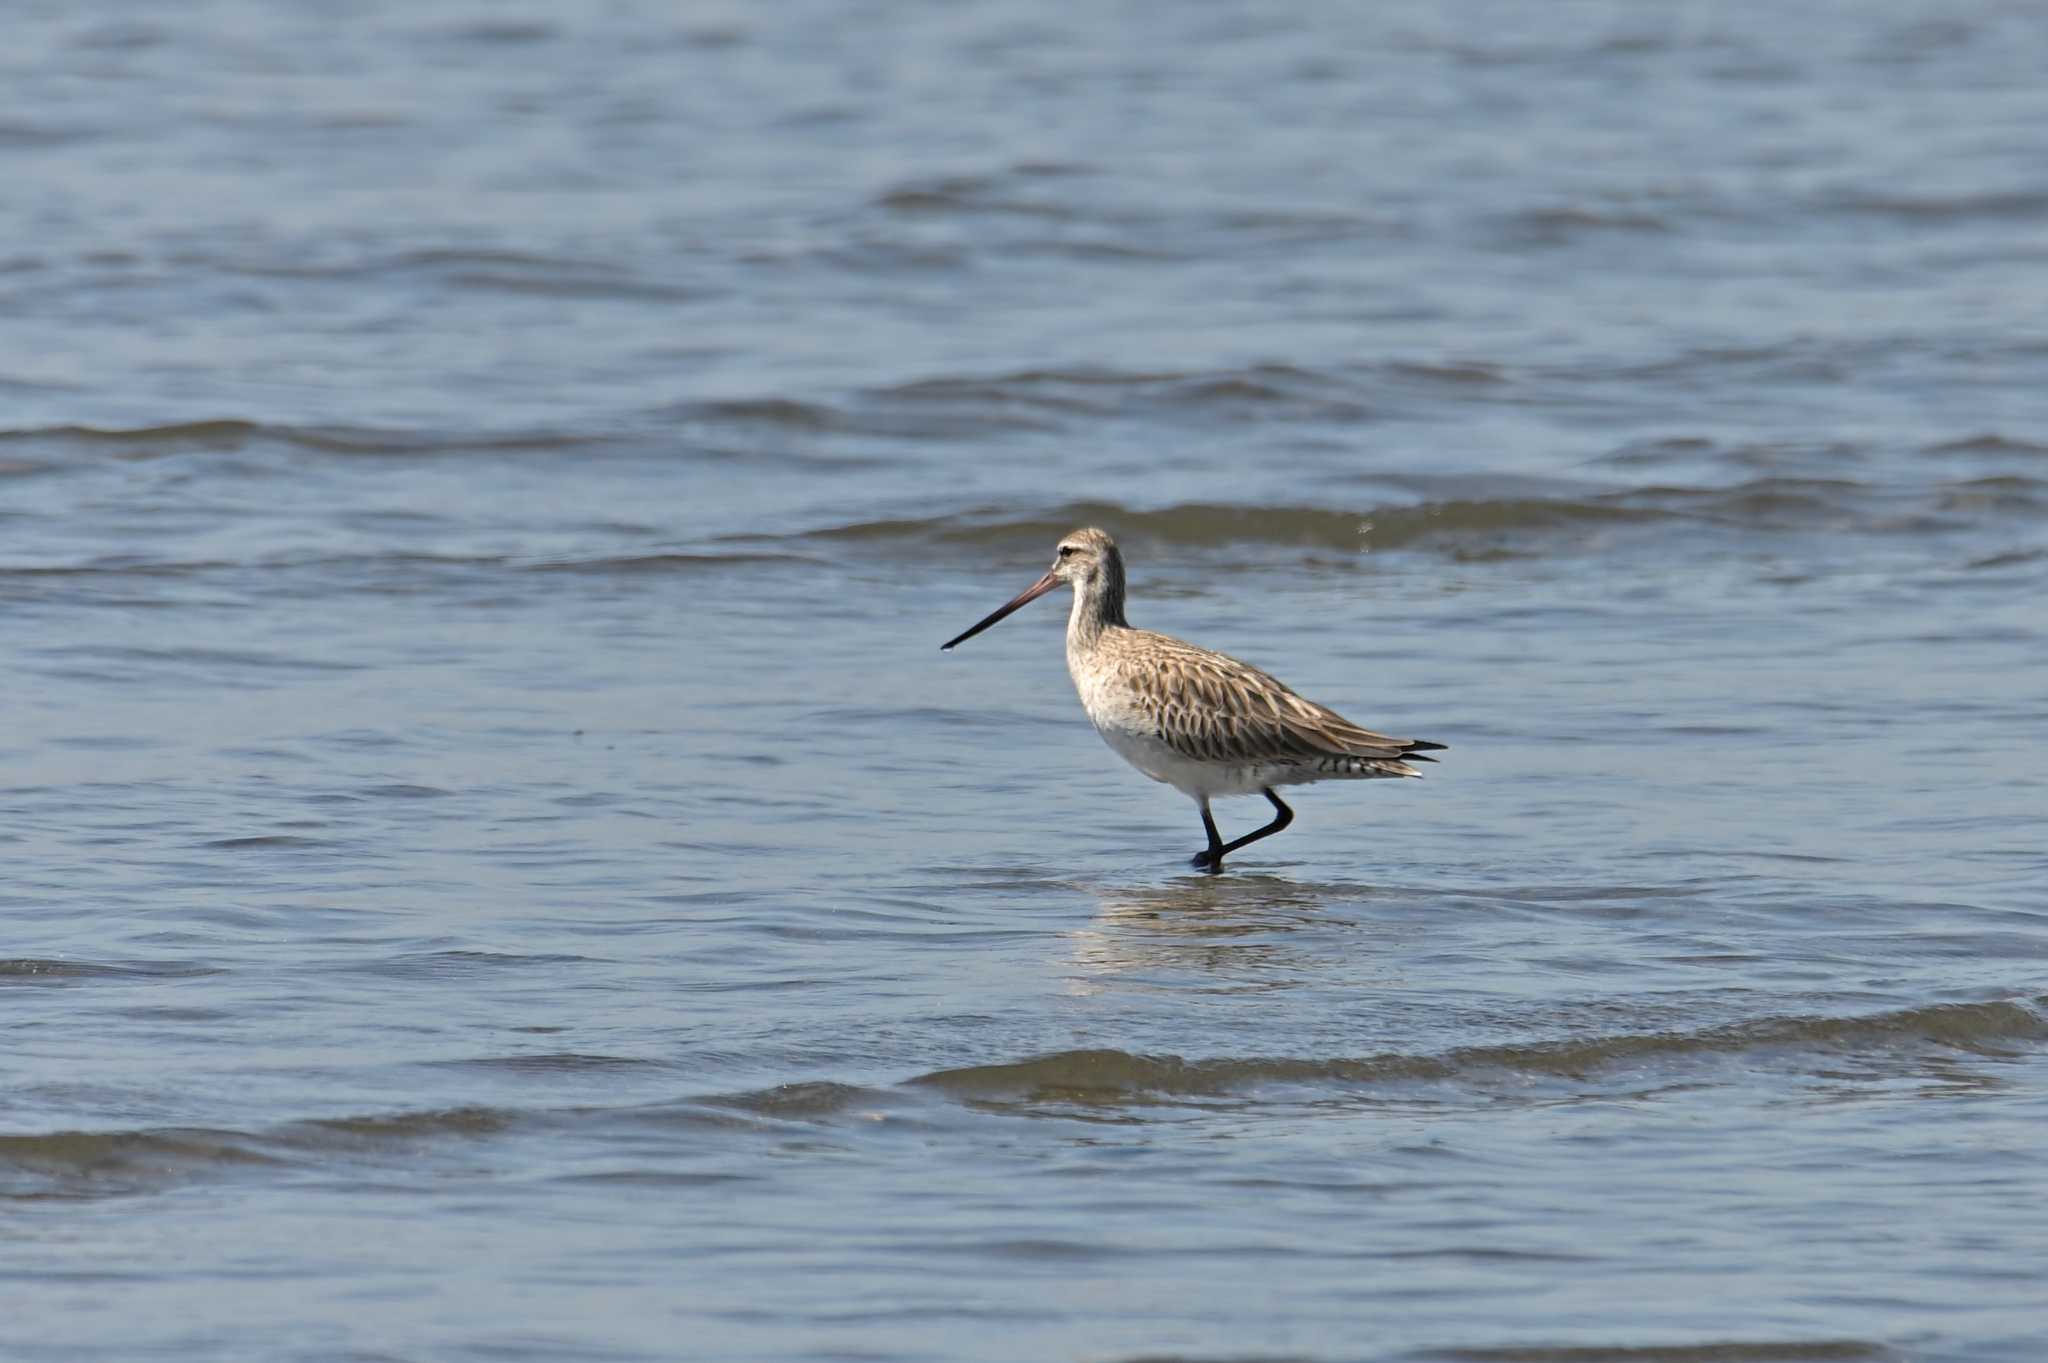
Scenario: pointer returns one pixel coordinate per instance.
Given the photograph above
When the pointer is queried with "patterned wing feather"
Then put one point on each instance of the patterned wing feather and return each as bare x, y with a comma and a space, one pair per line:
1213, 708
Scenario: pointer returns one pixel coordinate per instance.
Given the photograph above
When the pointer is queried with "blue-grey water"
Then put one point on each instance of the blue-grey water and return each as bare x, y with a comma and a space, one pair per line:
497, 867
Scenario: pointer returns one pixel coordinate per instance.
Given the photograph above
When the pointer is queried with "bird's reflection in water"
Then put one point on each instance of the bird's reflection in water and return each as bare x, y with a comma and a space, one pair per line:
1237, 932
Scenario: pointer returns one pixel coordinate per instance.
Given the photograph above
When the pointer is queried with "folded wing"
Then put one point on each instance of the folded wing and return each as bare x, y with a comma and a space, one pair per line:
1212, 708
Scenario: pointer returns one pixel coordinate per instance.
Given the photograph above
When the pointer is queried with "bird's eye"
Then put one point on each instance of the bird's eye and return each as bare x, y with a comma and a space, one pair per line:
1066, 551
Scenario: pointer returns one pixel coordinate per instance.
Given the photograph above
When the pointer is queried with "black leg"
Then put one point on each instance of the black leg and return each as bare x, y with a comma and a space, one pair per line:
1212, 860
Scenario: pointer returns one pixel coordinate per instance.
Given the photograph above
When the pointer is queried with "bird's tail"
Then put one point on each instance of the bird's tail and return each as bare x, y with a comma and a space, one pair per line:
1366, 767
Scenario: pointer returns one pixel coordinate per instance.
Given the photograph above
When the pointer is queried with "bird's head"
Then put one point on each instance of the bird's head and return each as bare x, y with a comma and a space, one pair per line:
1086, 560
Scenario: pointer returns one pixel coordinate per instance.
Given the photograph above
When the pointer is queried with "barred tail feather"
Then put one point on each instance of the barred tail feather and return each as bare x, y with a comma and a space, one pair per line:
1365, 768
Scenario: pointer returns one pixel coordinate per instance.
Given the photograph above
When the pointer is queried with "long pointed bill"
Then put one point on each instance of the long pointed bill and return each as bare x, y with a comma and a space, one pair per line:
1025, 597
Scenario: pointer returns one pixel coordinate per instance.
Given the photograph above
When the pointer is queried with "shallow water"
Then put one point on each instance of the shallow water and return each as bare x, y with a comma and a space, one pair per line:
500, 869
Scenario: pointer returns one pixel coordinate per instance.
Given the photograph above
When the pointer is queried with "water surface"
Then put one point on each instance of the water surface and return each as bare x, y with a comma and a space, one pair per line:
499, 868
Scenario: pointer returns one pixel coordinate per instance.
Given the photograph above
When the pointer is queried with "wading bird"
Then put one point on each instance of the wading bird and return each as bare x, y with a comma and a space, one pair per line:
1201, 722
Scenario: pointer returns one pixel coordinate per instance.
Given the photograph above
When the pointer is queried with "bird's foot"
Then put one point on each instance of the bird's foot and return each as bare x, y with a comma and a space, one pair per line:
1206, 860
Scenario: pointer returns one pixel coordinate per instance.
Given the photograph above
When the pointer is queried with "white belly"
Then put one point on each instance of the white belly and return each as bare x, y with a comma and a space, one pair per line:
1196, 780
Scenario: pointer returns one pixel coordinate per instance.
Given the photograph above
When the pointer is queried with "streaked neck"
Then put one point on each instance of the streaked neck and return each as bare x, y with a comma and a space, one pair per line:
1098, 605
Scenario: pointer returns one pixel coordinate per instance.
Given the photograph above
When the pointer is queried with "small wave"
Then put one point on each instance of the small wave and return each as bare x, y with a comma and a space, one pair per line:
1038, 398
98, 1164
1193, 523
226, 659
1990, 442
566, 1062
503, 32
35, 136
626, 288
1713, 1351
121, 36
1096, 1076
952, 406
2028, 205
1208, 525
1761, 503
2013, 558
115, 567
394, 1129
1516, 524
369, 440
456, 964
1299, 225
1659, 451
950, 195
486, 270
785, 414
1460, 373
1035, 210
864, 415
1255, 390
799, 1102
2003, 493
112, 1163
86, 1164
31, 970
1799, 361
667, 563
1566, 223
1054, 391
232, 434
94, 1164
225, 432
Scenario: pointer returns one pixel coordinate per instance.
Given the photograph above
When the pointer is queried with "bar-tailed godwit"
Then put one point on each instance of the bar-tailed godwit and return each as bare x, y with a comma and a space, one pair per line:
1201, 722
